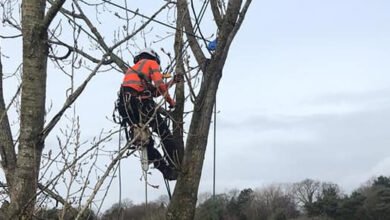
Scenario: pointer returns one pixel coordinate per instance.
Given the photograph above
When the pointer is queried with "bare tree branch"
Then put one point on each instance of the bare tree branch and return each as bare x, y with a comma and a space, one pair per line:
237, 26
197, 137
184, 198
64, 11
142, 27
195, 47
69, 101
178, 129
52, 12
118, 61
4, 114
7, 150
81, 52
114, 161
101, 180
69, 166
228, 24
13, 36
52, 194
216, 13
17, 26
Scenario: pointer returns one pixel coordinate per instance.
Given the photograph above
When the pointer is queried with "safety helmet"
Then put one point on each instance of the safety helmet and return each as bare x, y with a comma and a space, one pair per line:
150, 52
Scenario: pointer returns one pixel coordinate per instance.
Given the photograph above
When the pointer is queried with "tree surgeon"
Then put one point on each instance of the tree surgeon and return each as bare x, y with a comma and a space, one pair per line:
142, 82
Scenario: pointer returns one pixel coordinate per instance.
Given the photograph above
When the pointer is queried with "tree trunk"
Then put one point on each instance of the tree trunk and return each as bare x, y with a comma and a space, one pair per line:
179, 90
186, 191
184, 198
35, 50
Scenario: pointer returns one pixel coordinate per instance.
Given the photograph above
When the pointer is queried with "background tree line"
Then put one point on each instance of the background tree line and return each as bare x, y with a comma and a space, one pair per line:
307, 199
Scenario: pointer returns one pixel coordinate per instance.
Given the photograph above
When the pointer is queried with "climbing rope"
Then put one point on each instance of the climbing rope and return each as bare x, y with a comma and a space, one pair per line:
146, 190
120, 174
215, 144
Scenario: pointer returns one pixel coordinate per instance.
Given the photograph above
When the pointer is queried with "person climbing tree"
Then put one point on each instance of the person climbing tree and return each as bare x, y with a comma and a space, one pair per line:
141, 83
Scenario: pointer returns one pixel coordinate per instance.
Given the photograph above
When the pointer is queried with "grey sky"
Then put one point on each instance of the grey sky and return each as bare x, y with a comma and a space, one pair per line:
305, 94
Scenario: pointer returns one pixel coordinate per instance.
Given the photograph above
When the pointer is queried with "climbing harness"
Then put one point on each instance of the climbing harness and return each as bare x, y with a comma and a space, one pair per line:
145, 81
140, 137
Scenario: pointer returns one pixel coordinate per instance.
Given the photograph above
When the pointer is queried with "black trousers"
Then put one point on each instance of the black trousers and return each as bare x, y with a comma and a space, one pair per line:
134, 110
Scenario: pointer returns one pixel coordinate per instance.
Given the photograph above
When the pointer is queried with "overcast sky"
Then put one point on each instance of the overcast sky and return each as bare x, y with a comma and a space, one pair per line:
305, 93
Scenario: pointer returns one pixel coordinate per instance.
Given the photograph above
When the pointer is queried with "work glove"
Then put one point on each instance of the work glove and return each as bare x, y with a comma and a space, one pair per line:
172, 103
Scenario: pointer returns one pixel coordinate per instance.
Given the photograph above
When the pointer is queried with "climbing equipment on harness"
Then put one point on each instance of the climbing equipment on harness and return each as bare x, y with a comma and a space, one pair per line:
143, 79
141, 134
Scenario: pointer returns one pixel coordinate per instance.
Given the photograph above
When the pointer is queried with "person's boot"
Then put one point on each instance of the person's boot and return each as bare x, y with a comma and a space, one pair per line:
167, 172
172, 173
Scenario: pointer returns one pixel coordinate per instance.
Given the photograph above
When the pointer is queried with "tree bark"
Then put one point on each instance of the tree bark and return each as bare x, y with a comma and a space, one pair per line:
7, 152
184, 198
35, 50
179, 90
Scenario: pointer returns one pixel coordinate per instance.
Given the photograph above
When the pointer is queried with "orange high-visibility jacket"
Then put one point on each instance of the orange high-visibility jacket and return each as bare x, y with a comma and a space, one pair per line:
151, 70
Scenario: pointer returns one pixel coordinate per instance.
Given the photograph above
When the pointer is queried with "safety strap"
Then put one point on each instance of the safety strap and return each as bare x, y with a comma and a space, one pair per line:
117, 118
144, 79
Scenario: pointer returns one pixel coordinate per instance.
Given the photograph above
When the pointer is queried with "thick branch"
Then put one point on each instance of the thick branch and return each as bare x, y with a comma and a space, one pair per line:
7, 151
52, 12
236, 27
183, 201
229, 21
52, 194
216, 13
195, 47
180, 90
66, 12
66, 206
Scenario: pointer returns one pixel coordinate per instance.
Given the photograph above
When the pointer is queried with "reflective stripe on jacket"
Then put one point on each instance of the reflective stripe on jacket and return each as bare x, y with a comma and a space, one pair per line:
151, 71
